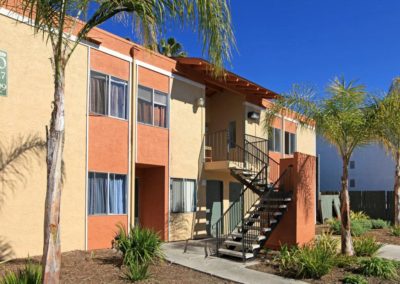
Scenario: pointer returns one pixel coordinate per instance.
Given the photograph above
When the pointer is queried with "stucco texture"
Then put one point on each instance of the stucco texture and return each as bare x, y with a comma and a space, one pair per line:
25, 111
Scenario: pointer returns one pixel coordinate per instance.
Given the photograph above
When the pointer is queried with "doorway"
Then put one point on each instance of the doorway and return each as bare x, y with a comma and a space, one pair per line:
214, 190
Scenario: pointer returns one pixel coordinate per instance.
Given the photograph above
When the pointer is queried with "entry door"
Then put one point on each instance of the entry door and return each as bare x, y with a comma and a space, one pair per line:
213, 205
235, 189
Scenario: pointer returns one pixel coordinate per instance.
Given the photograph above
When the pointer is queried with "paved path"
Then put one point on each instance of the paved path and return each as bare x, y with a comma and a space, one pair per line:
195, 259
390, 252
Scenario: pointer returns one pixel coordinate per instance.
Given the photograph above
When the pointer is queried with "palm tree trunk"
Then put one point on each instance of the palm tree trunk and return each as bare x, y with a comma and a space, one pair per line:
396, 190
51, 260
347, 242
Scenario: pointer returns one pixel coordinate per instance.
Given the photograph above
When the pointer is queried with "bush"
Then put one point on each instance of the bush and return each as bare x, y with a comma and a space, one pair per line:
335, 226
358, 226
379, 267
356, 216
379, 224
345, 261
139, 248
30, 274
395, 230
355, 279
310, 261
366, 246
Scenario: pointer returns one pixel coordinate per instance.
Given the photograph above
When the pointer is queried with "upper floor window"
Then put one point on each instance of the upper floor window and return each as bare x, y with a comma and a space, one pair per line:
290, 143
152, 107
274, 139
107, 194
352, 164
108, 95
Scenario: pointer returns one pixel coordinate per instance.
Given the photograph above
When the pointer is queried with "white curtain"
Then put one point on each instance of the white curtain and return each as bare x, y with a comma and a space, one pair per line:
183, 195
97, 193
118, 99
98, 93
117, 197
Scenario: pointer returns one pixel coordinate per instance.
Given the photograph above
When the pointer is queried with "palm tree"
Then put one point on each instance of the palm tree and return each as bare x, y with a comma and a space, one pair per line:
388, 133
343, 119
58, 20
171, 48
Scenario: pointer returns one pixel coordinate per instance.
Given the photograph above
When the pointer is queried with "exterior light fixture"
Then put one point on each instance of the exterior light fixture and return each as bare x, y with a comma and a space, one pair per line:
253, 115
200, 102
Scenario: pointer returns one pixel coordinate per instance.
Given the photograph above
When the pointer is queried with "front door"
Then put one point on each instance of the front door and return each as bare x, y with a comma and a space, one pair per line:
213, 205
235, 215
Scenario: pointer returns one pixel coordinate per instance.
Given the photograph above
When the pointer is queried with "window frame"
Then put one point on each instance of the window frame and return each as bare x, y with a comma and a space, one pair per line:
108, 195
271, 140
183, 180
352, 183
352, 165
167, 106
109, 80
291, 139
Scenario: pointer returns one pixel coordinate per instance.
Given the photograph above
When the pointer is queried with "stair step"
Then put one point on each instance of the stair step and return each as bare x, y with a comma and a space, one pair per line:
278, 199
252, 229
240, 245
259, 238
234, 253
272, 206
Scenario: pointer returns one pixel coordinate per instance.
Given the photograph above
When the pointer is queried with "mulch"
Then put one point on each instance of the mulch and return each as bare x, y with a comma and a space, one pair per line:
104, 266
384, 236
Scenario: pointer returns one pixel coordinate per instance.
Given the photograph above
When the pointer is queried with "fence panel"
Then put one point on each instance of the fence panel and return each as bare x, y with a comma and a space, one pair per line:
374, 204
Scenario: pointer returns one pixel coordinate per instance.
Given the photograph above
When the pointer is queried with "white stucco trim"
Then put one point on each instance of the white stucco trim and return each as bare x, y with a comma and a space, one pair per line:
257, 107
152, 68
188, 81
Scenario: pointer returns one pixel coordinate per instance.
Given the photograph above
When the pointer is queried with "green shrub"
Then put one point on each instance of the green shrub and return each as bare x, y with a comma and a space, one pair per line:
379, 224
356, 216
30, 274
395, 230
379, 267
335, 226
358, 226
355, 279
345, 261
366, 246
310, 261
137, 271
139, 248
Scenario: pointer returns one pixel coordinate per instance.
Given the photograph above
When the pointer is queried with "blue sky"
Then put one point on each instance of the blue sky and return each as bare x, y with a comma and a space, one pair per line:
281, 42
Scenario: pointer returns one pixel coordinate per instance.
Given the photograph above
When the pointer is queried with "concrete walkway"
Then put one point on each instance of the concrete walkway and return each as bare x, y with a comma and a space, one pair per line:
194, 258
390, 252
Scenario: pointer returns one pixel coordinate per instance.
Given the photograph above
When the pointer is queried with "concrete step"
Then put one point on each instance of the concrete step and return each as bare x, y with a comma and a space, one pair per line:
256, 239
271, 206
277, 199
240, 245
234, 253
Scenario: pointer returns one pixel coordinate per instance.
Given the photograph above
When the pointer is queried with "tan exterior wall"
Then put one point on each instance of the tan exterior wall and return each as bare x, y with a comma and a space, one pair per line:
186, 136
306, 140
26, 110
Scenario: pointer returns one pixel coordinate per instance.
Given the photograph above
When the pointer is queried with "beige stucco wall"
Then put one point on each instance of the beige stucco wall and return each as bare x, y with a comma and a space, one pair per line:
255, 127
187, 122
306, 140
26, 110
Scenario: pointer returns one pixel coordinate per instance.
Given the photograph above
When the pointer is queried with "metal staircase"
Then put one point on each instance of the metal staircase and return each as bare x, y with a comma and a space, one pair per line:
247, 224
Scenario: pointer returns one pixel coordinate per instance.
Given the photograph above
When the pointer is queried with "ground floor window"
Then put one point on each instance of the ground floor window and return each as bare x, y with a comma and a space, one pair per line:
183, 195
107, 194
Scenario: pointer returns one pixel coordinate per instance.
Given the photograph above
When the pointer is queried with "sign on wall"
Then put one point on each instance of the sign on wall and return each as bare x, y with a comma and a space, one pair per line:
3, 73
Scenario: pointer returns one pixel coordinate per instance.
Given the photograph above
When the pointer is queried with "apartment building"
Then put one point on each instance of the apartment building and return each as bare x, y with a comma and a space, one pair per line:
151, 141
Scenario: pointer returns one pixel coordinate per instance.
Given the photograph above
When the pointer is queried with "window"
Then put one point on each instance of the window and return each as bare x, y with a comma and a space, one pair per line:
274, 140
108, 95
290, 143
152, 107
352, 164
352, 183
107, 194
183, 195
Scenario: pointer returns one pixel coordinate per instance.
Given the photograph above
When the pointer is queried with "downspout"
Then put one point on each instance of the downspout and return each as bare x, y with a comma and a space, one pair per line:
87, 148
130, 171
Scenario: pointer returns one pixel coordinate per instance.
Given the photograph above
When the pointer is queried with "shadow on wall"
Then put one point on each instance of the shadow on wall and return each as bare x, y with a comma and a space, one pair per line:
16, 159
305, 191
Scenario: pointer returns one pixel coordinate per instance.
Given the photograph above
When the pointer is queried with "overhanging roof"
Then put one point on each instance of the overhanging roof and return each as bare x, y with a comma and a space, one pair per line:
201, 70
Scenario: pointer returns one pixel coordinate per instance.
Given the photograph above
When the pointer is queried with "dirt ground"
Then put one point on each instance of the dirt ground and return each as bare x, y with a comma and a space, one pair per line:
104, 266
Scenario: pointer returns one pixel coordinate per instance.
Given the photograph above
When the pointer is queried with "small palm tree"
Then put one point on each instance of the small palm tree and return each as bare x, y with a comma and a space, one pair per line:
388, 133
58, 20
171, 48
343, 119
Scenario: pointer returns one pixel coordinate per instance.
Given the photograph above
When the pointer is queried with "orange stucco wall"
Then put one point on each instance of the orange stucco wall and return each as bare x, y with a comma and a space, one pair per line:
109, 65
102, 230
153, 199
108, 145
153, 80
298, 223
152, 145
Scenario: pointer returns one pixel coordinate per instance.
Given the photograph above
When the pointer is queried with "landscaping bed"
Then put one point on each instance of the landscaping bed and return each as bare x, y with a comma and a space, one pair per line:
104, 266
384, 236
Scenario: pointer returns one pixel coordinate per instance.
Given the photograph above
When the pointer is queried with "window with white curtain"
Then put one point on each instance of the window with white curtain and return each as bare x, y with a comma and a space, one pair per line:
290, 143
274, 139
107, 194
183, 195
108, 95
152, 107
